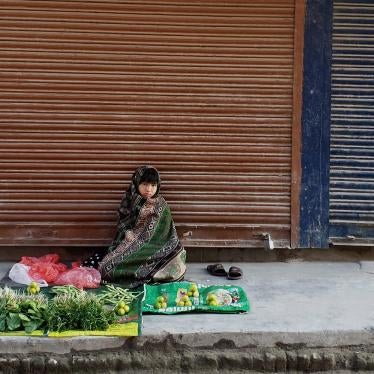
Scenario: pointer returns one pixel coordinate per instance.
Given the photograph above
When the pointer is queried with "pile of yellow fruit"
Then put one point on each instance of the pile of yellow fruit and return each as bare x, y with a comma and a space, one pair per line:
211, 299
122, 308
184, 301
161, 303
33, 288
192, 292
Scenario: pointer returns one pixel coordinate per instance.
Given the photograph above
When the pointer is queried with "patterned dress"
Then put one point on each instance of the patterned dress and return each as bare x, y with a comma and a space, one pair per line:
146, 247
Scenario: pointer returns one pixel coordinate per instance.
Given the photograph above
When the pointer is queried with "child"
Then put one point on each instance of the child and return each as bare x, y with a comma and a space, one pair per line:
146, 247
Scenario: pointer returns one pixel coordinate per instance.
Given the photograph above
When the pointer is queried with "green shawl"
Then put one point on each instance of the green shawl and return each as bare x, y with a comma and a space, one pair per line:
146, 248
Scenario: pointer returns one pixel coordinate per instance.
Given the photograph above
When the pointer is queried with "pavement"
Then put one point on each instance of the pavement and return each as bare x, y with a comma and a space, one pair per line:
285, 297
296, 303
293, 297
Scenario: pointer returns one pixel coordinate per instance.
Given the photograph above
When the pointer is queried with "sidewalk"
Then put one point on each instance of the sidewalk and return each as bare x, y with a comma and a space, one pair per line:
296, 305
286, 297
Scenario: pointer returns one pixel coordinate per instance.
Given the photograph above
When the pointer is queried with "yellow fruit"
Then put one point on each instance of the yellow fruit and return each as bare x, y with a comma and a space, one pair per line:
213, 303
121, 304
164, 305
160, 299
121, 311
185, 298
189, 293
193, 288
195, 294
180, 303
32, 290
188, 303
211, 297
126, 308
158, 305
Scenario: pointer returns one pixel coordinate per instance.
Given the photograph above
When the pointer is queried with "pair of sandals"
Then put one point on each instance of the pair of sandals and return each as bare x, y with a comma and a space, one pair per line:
219, 271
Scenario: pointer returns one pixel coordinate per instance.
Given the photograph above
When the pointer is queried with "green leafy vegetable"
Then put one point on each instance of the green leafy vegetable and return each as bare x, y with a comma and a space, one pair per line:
20, 311
78, 312
70, 309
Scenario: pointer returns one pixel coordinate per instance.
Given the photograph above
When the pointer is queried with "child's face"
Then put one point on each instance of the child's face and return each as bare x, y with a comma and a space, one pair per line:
147, 190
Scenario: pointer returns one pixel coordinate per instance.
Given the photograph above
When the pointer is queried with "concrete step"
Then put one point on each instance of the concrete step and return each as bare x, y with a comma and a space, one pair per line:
190, 353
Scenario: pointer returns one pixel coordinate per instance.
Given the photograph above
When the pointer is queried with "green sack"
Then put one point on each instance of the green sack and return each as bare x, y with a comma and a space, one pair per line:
178, 297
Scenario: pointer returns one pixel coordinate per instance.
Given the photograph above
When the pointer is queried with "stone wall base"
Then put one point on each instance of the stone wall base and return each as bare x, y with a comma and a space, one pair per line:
165, 359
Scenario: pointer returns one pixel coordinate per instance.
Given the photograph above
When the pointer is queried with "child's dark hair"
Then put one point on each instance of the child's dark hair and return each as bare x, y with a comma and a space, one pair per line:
150, 175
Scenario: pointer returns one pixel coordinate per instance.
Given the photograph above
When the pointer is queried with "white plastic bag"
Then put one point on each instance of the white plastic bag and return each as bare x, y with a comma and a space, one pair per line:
19, 273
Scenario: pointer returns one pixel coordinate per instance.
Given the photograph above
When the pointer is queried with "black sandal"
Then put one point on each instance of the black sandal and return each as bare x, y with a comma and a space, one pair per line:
217, 270
234, 273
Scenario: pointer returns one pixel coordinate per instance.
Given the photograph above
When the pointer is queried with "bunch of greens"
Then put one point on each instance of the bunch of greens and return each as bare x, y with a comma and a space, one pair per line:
69, 309
78, 311
20, 311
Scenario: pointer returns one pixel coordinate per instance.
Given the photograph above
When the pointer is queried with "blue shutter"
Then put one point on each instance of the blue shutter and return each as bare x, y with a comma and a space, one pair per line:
352, 124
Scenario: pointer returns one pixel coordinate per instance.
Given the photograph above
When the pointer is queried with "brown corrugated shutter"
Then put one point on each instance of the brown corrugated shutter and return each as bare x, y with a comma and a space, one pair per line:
92, 89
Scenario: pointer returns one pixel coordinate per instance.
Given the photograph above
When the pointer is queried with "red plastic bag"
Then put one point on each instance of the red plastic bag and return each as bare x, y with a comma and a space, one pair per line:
83, 277
45, 268
51, 258
47, 271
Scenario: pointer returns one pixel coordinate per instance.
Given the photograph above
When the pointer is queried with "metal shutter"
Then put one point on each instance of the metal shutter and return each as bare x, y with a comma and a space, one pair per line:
352, 123
92, 89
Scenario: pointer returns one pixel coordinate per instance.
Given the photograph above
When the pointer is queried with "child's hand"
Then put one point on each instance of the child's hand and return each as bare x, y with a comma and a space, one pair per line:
129, 235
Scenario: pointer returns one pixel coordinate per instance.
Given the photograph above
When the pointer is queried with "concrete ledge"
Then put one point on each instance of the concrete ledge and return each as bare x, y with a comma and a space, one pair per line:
231, 341
191, 353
